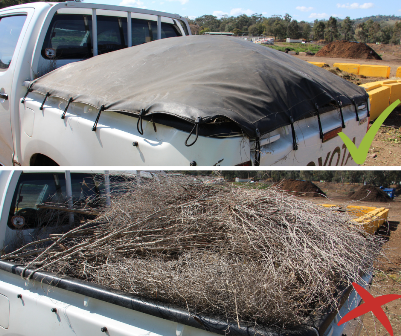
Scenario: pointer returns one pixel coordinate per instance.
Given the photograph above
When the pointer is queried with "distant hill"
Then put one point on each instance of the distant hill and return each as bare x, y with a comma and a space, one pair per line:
378, 18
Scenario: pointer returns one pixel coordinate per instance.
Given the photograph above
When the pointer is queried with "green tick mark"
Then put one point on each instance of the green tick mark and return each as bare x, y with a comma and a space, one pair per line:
359, 154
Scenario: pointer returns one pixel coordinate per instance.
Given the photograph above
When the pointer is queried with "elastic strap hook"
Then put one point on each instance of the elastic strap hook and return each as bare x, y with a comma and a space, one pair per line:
140, 122
340, 106
294, 136
356, 110
26, 94
97, 118
196, 126
44, 101
320, 123
257, 148
66, 108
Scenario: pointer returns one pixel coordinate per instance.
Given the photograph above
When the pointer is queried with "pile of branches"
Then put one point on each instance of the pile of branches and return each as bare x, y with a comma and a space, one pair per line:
260, 257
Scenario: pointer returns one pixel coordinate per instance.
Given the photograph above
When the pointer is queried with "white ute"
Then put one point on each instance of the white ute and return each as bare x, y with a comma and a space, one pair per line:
48, 305
40, 37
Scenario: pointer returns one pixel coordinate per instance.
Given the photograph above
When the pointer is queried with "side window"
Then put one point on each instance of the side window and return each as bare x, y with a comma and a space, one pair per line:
37, 194
10, 30
168, 30
111, 33
69, 37
141, 32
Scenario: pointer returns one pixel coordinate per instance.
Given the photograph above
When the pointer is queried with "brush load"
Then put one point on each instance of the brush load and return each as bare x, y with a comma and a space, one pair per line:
254, 257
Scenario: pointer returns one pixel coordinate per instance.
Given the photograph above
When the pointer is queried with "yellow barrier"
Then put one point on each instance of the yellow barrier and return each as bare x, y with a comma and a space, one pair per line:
387, 81
319, 64
348, 67
371, 86
395, 91
369, 218
372, 220
375, 71
379, 101
398, 73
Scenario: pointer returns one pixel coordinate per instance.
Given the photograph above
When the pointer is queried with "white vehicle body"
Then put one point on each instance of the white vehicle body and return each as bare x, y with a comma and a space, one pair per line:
48, 305
33, 136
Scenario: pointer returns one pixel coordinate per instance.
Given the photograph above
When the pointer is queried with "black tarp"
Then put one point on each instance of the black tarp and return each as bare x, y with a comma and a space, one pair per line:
209, 77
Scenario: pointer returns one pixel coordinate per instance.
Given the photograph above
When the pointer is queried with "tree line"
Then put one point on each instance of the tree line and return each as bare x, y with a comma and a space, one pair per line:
377, 178
280, 27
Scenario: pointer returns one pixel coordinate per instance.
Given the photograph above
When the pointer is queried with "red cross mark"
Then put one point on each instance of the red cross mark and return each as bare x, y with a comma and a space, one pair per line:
371, 304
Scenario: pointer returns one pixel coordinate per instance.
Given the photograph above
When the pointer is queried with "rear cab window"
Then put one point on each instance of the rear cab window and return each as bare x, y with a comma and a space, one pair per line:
70, 35
37, 193
10, 31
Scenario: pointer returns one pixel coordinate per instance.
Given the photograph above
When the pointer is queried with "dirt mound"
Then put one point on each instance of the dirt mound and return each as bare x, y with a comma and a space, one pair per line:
345, 49
346, 75
301, 188
370, 193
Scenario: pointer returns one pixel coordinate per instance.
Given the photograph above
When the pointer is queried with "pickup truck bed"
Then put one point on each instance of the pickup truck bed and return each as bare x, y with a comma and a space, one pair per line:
87, 308
225, 102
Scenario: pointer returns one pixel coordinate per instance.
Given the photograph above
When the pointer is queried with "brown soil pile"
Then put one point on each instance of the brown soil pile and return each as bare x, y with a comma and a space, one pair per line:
301, 188
345, 49
345, 75
370, 193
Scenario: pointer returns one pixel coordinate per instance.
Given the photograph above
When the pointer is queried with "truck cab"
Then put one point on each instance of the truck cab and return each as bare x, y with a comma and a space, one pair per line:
40, 37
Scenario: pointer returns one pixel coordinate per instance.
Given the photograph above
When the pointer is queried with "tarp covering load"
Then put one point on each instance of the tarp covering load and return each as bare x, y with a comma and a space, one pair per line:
203, 79
250, 257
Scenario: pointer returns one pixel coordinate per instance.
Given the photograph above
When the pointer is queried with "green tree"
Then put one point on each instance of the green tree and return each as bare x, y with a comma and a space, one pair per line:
279, 29
253, 30
396, 38
208, 22
318, 30
386, 34
347, 28
236, 31
306, 30
331, 31
293, 29
306, 175
205, 30
361, 32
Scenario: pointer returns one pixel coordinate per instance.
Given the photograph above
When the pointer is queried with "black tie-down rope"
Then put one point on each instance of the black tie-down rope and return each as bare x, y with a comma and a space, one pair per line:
294, 136
196, 127
356, 110
66, 108
139, 123
257, 148
26, 94
340, 106
97, 118
44, 101
367, 107
319, 121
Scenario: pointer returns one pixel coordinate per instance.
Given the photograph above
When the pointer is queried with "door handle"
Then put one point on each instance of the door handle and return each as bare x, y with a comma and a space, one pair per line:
4, 96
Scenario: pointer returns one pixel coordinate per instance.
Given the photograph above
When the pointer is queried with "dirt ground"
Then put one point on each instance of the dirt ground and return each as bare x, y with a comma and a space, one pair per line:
386, 147
387, 278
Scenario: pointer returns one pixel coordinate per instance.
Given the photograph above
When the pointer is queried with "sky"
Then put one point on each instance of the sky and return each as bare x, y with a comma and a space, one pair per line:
307, 10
